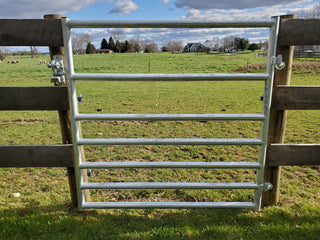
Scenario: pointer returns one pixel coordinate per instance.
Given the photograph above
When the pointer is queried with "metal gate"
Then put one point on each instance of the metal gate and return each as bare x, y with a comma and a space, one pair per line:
258, 186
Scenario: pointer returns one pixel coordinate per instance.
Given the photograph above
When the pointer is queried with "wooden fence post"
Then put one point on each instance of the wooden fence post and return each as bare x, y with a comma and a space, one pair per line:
65, 125
277, 123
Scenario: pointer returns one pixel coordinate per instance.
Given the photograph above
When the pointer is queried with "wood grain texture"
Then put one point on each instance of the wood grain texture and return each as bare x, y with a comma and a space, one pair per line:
293, 154
299, 32
296, 98
36, 155
34, 98
31, 32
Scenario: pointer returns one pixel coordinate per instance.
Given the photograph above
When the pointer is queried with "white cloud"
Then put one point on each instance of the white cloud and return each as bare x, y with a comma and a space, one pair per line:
124, 7
231, 4
165, 1
38, 8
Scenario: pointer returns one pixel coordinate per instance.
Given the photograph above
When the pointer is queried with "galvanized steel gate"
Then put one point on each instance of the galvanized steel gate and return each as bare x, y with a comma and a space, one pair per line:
78, 141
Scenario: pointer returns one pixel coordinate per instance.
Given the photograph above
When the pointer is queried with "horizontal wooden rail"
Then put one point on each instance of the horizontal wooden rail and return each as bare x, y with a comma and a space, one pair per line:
31, 32
34, 98
36, 155
296, 98
293, 154
299, 32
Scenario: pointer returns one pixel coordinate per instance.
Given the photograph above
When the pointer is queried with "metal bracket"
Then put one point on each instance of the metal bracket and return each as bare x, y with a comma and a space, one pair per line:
58, 73
277, 61
267, 186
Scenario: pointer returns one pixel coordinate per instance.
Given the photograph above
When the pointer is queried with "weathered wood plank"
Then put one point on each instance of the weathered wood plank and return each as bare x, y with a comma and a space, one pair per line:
293, 154
296, 98
34, 98
299, 32
36, 155
31, 32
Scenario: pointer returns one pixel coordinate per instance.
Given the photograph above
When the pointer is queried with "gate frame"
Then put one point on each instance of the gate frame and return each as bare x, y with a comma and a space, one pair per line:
78, 142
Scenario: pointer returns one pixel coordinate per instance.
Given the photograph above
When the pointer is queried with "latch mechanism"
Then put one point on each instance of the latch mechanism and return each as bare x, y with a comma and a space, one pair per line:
277, 61
58, 73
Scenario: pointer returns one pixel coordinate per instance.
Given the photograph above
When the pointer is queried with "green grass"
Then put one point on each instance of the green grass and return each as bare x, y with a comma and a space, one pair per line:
43, 211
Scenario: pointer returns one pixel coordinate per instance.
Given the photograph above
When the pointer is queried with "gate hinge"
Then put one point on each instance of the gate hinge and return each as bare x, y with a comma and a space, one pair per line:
266, 186
277, 61
57, 70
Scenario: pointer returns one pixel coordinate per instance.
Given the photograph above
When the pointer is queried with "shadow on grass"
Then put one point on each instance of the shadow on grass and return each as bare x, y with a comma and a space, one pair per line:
62, 222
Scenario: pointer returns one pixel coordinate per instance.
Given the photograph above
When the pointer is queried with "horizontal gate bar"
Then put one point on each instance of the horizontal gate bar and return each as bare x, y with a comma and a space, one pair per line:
167, 24
168, 185
251, 165
169, 141
169, 117
170, 77
169, 205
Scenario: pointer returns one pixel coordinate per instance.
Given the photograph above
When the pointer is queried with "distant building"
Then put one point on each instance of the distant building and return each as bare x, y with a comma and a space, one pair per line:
104, 51
195, 47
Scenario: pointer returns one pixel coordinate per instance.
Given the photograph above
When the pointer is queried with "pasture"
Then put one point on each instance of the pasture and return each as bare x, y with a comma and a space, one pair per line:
43, 210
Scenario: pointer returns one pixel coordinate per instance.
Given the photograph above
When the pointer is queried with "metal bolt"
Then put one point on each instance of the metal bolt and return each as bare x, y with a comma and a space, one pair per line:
89, 173
80, 98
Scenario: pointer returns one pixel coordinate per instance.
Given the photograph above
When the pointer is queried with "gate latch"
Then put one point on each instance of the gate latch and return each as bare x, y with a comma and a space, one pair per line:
277, 61
57, 70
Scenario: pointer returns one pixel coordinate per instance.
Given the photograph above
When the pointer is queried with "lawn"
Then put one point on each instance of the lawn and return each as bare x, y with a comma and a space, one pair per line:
43, 211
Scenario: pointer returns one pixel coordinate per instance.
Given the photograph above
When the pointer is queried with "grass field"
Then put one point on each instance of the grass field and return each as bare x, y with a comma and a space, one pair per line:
43, 211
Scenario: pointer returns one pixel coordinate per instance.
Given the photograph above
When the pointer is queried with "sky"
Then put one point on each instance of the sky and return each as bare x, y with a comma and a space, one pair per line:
217, 10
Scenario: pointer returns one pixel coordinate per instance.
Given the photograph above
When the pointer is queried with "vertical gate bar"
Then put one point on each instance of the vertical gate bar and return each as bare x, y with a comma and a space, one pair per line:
73, 109
274, 30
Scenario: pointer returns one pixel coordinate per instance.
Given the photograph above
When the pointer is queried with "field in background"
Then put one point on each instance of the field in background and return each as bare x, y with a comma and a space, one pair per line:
43, 209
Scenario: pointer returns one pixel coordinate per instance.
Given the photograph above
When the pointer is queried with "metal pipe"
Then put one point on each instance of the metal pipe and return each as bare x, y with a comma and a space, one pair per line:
73, 107
168, 185
97, 205
170, 77
224, 165
169, 141
167, 24
169, 117
274, 30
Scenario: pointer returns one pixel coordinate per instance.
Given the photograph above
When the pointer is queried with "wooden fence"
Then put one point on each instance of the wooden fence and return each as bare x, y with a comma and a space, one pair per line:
48, 32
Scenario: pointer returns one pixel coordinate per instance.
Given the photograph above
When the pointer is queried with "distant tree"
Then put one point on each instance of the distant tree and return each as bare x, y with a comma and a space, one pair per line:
164, 49
112, 46
174, 46
126, 47
151, 48
104, 44
228, 43
79, 42
241, 43
310, 13
135, 42
118, 35
253, 47
136, 47
90, 49
4, 51
118, 46
33, 51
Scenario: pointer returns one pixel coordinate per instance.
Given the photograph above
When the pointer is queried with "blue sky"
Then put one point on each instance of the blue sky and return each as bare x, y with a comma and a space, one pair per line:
160, 10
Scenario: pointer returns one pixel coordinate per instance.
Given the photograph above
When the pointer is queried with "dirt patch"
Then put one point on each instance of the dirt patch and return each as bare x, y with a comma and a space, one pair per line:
297, 66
